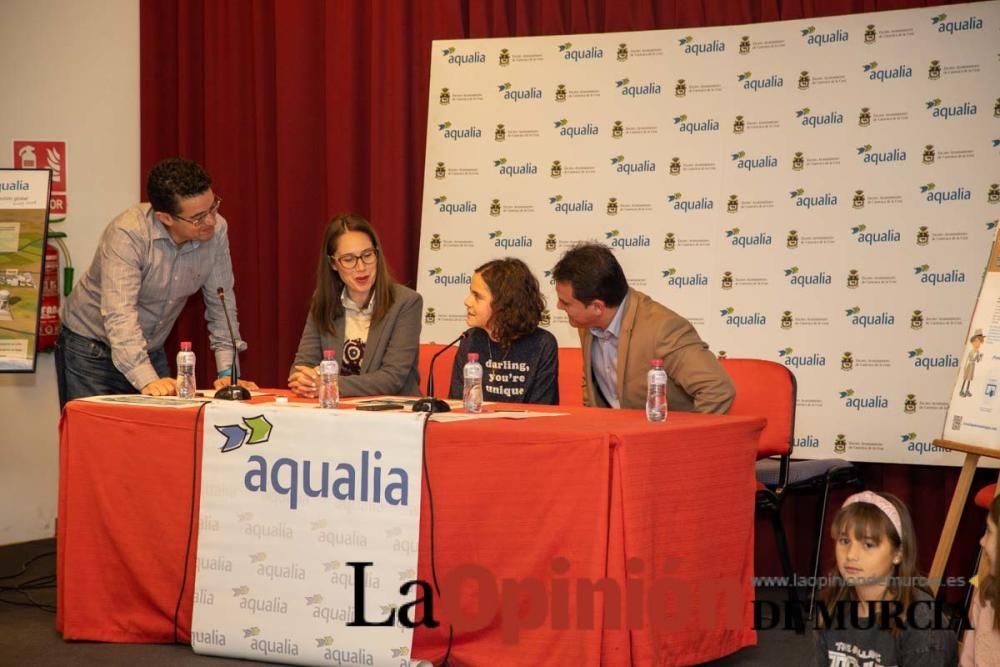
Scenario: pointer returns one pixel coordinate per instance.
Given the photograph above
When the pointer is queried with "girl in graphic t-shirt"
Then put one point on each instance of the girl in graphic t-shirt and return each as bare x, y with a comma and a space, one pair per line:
520, 360
877, 574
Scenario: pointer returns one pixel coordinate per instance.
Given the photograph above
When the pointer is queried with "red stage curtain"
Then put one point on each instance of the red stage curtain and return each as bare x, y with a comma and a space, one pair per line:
304, 108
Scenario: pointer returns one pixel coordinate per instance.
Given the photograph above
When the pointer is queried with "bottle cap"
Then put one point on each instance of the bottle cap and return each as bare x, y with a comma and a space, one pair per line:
656, 363
280, 399
327, 354
185, 346
473, 356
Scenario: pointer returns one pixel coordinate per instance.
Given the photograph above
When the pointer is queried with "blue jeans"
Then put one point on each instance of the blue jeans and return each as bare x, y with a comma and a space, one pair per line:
84, 368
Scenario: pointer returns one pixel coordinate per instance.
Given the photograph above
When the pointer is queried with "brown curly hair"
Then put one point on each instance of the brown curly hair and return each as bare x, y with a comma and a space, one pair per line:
517, 301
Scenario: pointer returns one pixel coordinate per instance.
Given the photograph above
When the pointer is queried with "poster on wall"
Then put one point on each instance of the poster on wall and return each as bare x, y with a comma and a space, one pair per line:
974, 411
24, 211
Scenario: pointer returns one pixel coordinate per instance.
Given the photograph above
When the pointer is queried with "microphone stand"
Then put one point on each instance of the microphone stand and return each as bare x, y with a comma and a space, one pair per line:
232, 392
428, 403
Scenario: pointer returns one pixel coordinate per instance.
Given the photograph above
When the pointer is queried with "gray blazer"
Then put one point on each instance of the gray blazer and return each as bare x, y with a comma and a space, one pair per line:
391, 352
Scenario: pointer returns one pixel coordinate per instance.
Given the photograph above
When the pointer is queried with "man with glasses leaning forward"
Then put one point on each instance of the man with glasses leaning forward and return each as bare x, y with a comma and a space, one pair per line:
148, 261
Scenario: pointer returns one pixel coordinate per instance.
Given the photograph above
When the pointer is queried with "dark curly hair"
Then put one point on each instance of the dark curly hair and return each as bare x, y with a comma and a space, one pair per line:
174, 179
517, 301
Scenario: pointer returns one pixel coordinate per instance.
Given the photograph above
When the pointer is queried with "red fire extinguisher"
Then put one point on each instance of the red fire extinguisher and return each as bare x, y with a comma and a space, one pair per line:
48, 322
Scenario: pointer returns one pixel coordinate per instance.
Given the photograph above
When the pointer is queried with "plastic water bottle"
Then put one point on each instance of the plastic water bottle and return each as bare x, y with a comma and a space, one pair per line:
656, 392
472, 392
185, 371
329, 381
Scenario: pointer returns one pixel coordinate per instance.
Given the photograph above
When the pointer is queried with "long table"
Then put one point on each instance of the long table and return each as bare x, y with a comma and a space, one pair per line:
658, 517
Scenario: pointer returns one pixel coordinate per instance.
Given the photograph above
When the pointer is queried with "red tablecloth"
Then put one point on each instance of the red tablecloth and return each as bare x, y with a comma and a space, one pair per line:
658, 515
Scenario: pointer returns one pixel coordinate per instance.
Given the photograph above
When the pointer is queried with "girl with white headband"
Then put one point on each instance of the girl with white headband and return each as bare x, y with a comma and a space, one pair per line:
876, 569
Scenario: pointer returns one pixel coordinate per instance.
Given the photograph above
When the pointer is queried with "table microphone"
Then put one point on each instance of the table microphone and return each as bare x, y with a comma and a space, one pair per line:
234, 392
429, 403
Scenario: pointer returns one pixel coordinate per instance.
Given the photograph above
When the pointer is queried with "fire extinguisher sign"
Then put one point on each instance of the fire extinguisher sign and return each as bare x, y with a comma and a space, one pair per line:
49, 155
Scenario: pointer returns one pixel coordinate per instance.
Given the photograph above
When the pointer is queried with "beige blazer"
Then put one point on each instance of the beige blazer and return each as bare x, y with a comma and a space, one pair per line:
696, 381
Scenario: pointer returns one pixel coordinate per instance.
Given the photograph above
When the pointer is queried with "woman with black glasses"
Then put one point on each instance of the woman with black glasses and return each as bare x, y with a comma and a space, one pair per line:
369, 320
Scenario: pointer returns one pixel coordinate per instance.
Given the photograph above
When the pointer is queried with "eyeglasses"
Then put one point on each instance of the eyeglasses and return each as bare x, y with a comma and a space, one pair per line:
200, 219
350, 261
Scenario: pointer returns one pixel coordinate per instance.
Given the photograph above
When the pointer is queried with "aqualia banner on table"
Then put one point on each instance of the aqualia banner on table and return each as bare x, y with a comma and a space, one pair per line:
820, 192
304, 513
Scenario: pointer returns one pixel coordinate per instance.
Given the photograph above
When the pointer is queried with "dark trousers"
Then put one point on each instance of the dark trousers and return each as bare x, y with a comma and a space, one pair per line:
84, 368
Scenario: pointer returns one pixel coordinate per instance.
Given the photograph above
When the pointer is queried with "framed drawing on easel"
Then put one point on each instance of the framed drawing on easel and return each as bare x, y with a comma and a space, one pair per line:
974, 410
973, 422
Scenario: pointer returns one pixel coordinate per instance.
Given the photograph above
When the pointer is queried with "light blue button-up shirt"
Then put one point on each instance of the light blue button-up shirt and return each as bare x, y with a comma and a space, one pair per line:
604, 356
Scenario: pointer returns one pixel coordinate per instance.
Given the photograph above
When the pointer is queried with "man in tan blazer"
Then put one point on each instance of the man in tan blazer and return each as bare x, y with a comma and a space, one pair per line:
622, 329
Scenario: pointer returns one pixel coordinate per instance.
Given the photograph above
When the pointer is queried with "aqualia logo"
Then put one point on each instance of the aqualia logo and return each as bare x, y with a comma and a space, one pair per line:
941, 196
927, 363
748, 163
882, 319
622, 166
732, 319
798, 279
752, 84
695, 127
457, 133
806, 201
937, 278
859, 403
578, 55
567, 130
512, 170
697, 48
914, 445
442, 278
809, 119
940, 110
789, 358
871, 238
628, 89
814, 38
684, 206
459, 59
873, 157
679, 281
806, 441
616, 240
951, 27
567, 207
884, 75
513, 94
506, 242
740, 240
450, 208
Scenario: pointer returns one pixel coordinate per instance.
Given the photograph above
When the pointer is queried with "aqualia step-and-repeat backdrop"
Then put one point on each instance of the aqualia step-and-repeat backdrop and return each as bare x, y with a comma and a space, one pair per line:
822, 193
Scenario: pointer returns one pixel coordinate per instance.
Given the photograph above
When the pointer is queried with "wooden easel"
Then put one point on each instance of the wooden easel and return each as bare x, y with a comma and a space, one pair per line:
958, 500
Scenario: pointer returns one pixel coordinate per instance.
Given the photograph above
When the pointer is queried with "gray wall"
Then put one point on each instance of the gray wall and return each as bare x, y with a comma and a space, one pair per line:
70, 73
